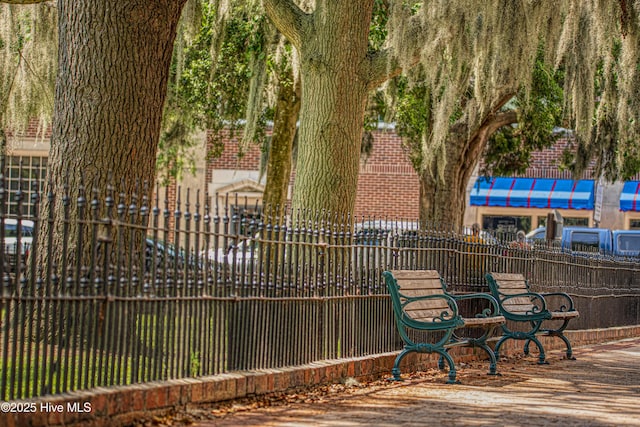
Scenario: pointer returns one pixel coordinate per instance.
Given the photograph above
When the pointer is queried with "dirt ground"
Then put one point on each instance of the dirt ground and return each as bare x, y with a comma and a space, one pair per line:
600, 388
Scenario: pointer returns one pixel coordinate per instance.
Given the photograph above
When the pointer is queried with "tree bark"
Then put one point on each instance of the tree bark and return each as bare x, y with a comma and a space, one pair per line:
114, 61
338, 70
333, 49
3, 146
443, 201
281, 146
442, 192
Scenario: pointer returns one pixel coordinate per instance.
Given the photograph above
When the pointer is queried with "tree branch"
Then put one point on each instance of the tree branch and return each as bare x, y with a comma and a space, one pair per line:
288, 18
386, 63
492, 122
496, 121
383, 65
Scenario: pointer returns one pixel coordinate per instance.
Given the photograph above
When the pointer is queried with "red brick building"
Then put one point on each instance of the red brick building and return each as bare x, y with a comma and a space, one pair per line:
387, 187
387, 184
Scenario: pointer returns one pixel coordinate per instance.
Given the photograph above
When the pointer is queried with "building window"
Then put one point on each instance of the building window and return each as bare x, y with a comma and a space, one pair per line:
569, 221
506, 224
634, 224
24, 173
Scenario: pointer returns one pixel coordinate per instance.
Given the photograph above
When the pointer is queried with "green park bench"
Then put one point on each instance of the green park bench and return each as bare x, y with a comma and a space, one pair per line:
530, 311
429, 321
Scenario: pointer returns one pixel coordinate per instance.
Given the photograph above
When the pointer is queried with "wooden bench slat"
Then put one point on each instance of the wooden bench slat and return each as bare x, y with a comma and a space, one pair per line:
479, 321
427, 314
517, 304
564, 314
520, 312
519, 307
517, 300
417, 274
417, 283
513, 285
434, 304
422, 287
507, 276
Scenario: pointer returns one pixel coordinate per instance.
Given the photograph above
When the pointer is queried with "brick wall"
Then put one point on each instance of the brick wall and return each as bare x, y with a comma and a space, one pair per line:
549, 157
229, 158
387, 182
33, 130
545, 163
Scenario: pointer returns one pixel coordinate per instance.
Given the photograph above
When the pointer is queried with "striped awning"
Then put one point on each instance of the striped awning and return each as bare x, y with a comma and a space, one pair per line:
629, 199
533, 193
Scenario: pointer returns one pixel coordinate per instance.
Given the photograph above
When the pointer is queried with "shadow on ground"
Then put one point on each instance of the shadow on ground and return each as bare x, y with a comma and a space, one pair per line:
600, 388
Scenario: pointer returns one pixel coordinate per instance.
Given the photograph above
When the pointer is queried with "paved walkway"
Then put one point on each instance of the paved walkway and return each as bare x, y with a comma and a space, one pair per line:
600, 388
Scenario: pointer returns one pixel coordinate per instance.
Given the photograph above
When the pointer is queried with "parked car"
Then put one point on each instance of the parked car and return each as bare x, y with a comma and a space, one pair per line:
626, 243
12, 228
576, 239
381, 233
376, 243
241, 251
537, 235
589, 240
162, 251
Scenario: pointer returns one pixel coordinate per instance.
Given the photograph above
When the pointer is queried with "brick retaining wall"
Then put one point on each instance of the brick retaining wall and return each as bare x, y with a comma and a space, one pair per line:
116, 406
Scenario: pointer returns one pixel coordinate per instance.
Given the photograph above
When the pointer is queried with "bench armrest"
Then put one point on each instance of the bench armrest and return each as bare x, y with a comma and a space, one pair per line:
566, 302
494, 310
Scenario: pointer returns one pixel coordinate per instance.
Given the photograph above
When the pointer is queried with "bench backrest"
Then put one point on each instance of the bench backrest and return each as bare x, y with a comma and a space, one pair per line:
418, 283
511, 284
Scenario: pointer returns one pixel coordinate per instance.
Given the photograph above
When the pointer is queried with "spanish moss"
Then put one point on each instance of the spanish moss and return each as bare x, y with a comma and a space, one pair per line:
477, 53
28, 59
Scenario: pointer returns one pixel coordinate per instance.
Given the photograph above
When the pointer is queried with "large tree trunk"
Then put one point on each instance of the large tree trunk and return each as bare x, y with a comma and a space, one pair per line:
333, 105
332, 43
281, 146
114, 61
443, 188
338, 70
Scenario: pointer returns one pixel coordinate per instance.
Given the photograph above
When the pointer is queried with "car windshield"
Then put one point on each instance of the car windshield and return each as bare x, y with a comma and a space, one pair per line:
585, 241
537, 234
11, 230
629, 243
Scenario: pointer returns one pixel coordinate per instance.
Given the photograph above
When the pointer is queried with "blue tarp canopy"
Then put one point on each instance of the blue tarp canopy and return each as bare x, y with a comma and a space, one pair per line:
533, 193
629, 199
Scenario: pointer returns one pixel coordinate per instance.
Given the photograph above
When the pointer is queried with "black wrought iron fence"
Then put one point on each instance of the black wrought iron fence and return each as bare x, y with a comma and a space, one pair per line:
128, 291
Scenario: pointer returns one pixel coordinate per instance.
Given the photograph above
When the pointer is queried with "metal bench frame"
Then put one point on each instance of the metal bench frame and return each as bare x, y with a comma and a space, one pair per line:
421, 303
519, 304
